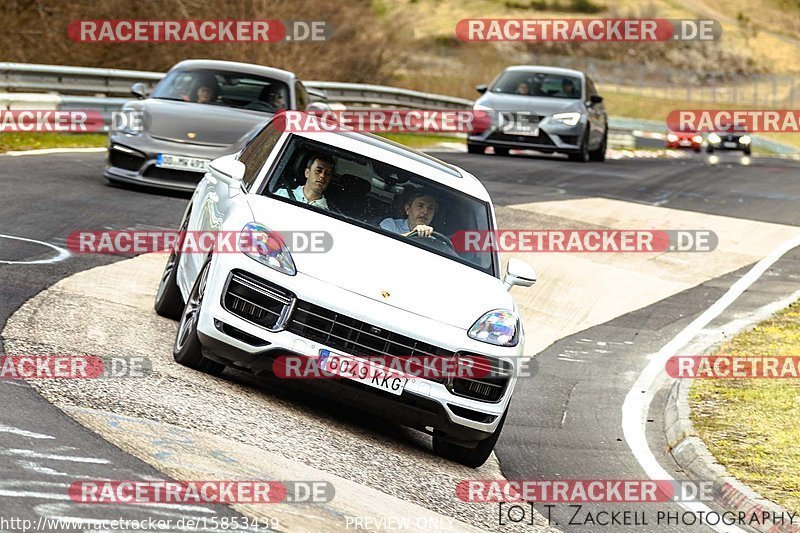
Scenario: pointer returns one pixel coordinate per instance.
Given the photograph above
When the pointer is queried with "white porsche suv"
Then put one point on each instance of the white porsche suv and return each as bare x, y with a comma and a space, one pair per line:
376, 291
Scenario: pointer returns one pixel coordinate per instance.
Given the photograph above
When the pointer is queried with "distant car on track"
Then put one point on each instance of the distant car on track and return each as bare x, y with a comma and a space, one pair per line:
684, 139
374, 293
201, 110
726, 140
559, 110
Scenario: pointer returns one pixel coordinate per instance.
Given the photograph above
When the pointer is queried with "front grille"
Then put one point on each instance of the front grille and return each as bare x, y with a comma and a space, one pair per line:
542, 138
173, 175
124, 160
355, 337
256, 300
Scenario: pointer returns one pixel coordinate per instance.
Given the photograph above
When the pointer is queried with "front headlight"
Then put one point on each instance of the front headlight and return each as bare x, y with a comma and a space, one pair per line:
713, 138
570, 119
497, 327
267, 247
698, 139
745, 139
671, 137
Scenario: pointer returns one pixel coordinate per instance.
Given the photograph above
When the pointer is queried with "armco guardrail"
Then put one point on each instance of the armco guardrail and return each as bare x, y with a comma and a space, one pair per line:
66, 80
62, 79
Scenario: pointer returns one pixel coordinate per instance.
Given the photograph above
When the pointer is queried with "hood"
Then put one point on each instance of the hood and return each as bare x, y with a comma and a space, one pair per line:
367, 263
533, 104
212, 125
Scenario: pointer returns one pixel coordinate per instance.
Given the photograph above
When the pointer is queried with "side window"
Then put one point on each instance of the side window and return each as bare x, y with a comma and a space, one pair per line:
301, 96
256, 153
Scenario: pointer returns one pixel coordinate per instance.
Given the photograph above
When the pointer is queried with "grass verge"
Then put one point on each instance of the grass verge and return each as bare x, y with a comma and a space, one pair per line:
36, 140
752, 426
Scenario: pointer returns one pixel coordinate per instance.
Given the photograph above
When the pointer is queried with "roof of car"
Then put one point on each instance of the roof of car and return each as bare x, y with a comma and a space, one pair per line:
400, 156
549, 70
244, 68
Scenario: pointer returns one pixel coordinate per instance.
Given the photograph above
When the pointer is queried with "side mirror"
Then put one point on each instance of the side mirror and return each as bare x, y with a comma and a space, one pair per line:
139, 90
519, 273
481, 88
595, 99
228, 170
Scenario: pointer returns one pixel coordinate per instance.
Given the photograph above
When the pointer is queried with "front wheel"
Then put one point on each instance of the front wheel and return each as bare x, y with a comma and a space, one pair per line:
600, 154
747, 151
472, 457
169, 301
582, 156
187, 349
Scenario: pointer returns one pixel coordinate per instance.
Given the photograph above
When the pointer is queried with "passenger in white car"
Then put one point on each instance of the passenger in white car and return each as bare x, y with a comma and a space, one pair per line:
318, 173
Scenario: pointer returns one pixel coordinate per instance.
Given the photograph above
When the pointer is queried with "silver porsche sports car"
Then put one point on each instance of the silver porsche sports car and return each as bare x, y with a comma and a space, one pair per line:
199, 111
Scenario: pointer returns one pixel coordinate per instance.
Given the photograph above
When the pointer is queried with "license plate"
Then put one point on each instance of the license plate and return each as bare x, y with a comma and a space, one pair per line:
522, 128
686, 143
729, 145
362, 371
179, 162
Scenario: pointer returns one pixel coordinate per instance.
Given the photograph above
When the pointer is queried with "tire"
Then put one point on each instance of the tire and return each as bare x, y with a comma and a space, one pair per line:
709, 149
599, 155
474, 149
501, 151
187, 349
169, 301
747, 151
472, 457
583, 155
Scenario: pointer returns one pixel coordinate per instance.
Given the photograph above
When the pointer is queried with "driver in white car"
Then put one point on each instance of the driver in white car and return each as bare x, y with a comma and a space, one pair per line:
420, 207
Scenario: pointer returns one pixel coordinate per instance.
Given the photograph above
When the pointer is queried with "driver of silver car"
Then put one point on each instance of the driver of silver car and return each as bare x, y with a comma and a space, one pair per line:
420, 207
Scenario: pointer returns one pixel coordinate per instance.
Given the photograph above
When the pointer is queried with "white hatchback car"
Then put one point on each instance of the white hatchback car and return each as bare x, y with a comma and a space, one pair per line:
376, 291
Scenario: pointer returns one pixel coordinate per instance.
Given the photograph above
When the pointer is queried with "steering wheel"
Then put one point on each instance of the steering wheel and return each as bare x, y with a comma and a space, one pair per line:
438, 237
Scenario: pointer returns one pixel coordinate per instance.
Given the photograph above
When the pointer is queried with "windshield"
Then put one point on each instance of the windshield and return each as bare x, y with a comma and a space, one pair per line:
381, 198
528, 83
223, 88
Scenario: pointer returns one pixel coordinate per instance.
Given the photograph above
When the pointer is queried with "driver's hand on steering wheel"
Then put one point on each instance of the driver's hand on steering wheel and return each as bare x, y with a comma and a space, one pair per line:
422, 230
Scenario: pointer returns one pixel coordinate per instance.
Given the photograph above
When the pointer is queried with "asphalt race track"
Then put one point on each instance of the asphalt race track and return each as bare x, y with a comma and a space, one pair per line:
565, 422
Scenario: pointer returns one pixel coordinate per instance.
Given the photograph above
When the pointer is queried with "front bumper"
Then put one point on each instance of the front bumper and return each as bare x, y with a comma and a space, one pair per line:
132, 159
553, 137
230, 339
